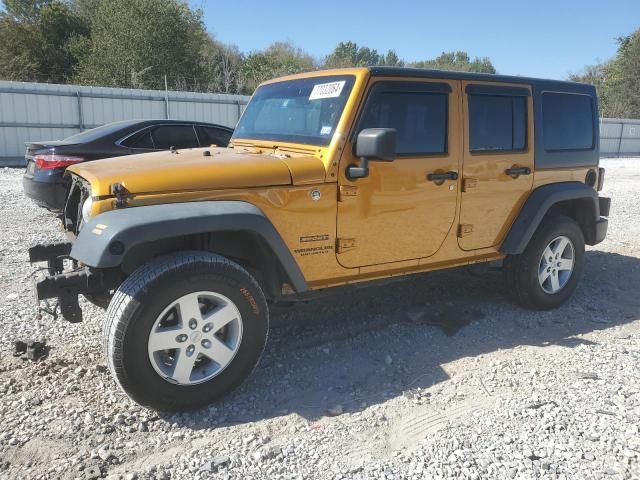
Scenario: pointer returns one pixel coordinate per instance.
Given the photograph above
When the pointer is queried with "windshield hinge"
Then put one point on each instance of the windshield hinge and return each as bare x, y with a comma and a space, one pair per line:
469, 183
346, 192
465, 229
345, 244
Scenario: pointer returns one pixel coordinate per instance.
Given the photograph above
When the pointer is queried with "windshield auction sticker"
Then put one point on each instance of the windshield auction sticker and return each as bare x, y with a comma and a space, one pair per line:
326, 90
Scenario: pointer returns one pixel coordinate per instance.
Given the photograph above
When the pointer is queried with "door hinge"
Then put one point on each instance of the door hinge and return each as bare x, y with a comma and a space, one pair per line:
345, 244
468, 183
346, 192
464, 230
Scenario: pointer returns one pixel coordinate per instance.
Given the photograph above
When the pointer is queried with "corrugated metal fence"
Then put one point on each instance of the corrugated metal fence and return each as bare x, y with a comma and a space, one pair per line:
38, 111
619, 137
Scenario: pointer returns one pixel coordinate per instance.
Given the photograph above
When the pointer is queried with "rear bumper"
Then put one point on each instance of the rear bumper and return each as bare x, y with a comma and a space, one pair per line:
49, 194
605, 206
601, 230
66, 286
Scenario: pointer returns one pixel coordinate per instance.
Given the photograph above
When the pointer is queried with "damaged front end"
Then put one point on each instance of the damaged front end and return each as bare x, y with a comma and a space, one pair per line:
66, 285
66, 277
73, 218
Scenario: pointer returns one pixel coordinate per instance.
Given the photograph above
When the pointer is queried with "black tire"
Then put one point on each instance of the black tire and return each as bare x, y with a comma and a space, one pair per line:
521, 271
144, 295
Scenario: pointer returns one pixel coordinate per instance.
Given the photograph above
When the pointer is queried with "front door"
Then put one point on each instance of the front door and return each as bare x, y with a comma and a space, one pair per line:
498, 160
400, 211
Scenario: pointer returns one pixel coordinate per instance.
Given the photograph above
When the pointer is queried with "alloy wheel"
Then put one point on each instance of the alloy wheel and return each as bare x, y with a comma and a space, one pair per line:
195, 338
556, 265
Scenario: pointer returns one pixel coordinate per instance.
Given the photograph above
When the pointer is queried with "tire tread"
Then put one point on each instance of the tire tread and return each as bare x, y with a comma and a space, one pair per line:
517, 268
124, 303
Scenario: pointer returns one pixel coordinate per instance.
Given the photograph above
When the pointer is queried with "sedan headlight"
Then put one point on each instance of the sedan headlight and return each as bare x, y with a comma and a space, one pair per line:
86, 209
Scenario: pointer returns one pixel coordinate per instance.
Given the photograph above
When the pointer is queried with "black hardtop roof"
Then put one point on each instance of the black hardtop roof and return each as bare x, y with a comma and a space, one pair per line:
488, 77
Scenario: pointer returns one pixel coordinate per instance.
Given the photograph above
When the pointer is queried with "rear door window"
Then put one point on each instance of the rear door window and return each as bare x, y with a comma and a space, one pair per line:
497, 123
178, 136
213, 136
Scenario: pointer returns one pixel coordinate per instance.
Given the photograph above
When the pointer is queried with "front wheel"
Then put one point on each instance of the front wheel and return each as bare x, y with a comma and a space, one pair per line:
185, 330
547, 273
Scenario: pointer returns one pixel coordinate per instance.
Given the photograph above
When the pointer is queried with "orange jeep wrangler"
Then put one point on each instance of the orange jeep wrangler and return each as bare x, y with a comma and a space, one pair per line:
331, 178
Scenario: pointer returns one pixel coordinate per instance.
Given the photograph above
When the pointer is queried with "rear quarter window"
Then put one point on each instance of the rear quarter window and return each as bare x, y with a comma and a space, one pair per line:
141, 140
213, 136
567, 122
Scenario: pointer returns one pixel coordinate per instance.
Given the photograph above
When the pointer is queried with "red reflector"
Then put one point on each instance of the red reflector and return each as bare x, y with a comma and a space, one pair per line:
51, 161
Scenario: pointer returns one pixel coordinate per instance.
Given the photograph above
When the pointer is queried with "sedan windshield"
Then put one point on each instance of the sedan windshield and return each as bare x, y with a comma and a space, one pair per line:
298, 111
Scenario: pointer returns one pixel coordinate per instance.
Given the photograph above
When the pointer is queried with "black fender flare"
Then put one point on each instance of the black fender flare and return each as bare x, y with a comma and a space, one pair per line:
105, 240
537, 206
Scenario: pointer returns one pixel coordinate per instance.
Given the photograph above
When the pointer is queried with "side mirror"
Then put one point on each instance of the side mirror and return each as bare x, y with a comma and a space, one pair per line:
377, 144
373, 144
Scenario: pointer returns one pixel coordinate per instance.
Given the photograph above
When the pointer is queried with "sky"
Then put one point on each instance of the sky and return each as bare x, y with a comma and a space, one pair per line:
541, 38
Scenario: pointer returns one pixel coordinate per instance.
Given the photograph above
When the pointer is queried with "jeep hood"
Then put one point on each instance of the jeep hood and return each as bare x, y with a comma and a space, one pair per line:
191, 170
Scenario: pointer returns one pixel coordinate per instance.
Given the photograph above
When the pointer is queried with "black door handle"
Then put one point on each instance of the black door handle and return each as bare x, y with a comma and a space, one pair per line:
440, 177
517, 171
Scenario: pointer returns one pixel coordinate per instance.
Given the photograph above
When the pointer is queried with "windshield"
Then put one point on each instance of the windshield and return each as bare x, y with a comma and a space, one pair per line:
297, 111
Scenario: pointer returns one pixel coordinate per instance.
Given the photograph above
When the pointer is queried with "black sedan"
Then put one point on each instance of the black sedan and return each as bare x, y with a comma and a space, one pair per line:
44, 182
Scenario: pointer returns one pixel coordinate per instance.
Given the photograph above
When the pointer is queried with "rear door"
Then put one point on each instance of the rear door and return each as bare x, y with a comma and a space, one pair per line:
162, 137
178, 136
497, 174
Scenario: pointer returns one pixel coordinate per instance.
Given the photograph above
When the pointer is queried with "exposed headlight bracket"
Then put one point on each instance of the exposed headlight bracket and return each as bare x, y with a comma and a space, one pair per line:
118, 190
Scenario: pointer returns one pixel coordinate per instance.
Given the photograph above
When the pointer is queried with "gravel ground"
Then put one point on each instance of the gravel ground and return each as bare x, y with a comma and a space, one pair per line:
434, 377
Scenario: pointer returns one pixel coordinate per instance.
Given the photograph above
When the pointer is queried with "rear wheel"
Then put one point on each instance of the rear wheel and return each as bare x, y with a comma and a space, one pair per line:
185, 330
547, 273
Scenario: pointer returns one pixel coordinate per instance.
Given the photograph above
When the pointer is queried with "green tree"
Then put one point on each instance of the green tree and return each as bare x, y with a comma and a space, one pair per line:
25, 9
618, 80
620, 89
344, 55
594, 75
135, 43
279, 59
457, 61
349, 54
35, 40
221, 65
391, 58
366, 56
85, 9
